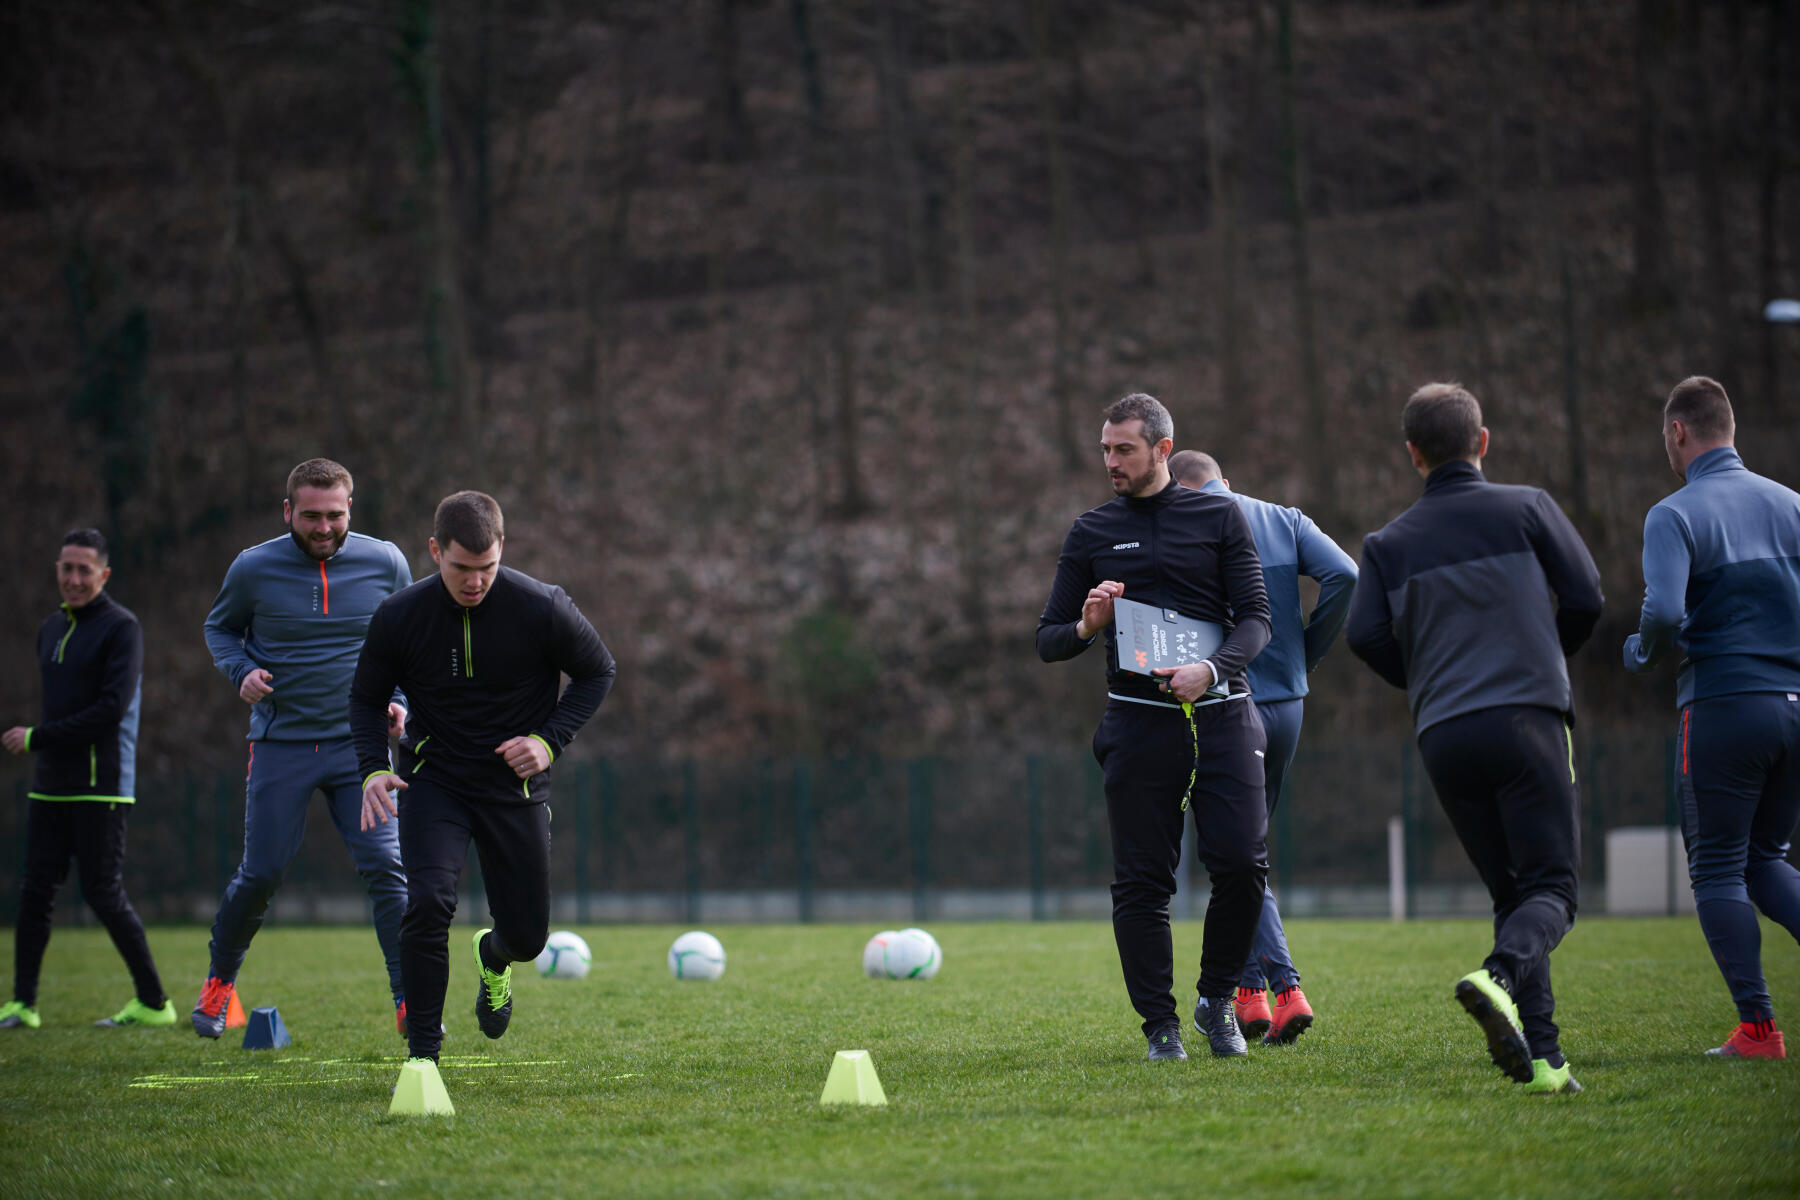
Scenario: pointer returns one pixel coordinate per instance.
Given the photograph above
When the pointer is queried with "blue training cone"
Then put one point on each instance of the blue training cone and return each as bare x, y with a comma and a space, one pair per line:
265, 1031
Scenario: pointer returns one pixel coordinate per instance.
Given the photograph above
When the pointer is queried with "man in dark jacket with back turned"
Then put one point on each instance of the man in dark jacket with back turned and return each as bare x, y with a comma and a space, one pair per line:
91, 654
1191, 734
1470, 600
480, 651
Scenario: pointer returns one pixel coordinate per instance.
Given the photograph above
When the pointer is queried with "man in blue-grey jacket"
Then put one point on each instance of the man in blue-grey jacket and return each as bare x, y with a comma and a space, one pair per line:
286, 630
1471, 600
1289, 545
1722, 585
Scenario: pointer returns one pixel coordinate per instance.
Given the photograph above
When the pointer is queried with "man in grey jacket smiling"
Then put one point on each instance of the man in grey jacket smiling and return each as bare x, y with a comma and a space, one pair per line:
286, 630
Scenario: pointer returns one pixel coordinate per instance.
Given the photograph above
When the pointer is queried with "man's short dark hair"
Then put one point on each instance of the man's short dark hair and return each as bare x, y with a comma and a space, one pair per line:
93, 539
1192, 468
1702, 405
1443, 422
1138, 406
319, 473
470, 519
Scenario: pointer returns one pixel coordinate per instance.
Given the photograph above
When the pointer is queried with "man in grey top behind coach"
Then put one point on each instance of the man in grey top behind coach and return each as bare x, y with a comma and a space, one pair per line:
1289, 546
1470, 600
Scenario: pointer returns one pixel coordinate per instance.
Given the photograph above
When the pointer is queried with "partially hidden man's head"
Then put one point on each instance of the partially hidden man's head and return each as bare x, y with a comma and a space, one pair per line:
1194, 468
1136, 440
1443, 424
317, 507
466, 537
1697, 418
81, 570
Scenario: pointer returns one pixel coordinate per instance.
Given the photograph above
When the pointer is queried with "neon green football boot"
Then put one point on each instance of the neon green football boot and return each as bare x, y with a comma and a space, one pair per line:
1483, 998
136, 1012
1548, 1080
15, 1014
493, 993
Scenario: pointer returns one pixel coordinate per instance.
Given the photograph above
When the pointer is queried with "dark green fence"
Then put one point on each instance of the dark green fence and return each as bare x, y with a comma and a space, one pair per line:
970, 834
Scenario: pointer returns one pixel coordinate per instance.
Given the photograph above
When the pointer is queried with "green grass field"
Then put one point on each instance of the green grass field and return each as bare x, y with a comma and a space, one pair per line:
1018, 1071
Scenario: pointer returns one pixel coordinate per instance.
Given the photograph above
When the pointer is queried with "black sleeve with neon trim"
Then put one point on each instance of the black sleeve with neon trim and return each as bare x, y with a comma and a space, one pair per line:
377, 676
584, 658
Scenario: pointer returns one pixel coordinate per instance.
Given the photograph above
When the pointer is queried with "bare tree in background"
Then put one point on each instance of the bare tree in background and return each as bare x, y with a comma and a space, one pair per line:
731, 135
1039, 22
835, 302
1224, 173
904, 193
1490, 233
1650, 285
610, 169
448, 361
961, 423
1317, 447
1778, 53
1552, 218
1709, 181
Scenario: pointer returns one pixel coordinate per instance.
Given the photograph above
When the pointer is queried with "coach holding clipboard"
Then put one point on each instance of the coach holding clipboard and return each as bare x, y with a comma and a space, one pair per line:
1164, 743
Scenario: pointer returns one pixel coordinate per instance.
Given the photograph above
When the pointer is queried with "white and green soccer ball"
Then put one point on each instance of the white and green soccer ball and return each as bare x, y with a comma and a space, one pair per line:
875, 954
564, 956
696, 955
902, 954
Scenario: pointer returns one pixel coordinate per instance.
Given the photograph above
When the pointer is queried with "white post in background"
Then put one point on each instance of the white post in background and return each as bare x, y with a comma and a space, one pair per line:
1397, 868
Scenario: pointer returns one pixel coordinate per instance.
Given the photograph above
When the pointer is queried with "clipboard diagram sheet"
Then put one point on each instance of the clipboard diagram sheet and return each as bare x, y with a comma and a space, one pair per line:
1149, 637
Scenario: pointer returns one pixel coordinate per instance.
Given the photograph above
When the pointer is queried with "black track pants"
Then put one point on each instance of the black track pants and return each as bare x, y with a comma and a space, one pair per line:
513, 843
92, 833
1506, 779
1147, 753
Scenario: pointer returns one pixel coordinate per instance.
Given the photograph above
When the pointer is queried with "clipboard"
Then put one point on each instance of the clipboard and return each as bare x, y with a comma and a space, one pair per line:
1149, 637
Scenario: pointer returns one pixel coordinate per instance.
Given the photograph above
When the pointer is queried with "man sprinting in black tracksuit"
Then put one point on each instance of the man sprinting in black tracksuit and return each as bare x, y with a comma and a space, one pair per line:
1160, 543
480, 651
1470, 600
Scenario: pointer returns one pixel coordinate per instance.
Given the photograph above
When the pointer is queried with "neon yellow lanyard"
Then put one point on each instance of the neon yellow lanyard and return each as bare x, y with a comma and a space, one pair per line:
1193, 771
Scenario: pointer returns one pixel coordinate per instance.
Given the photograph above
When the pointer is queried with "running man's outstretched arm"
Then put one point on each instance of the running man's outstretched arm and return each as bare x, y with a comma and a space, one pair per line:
1571, 572
1668, 557
584, 658
228, 622
1370, 631
1323, 560
371, 691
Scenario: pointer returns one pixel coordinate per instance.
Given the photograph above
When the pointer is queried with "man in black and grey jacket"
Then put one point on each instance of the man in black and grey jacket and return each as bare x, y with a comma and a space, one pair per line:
1160, 543
91, 656
480, 651
1471, 600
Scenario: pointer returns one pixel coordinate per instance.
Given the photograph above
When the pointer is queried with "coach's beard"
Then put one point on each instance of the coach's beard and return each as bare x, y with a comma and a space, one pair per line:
321, 549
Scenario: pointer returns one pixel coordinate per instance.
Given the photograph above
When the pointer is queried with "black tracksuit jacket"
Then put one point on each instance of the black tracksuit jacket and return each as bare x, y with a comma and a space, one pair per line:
91, 659
474, 678
1473, 597
1183, 549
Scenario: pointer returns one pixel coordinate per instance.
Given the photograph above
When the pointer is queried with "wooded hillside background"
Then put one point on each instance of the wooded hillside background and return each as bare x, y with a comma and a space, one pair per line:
790, 321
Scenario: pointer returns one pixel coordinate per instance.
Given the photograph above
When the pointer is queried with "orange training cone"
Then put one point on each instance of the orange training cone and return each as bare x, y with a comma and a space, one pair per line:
234, 1016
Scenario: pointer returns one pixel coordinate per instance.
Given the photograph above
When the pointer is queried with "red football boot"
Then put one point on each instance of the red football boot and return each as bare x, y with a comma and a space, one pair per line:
1293, 1017
212, 1010
1252, 1009
1744, 1043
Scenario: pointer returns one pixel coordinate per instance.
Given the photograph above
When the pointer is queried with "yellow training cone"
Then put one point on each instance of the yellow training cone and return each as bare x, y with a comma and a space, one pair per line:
852, 1080
420, 1092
